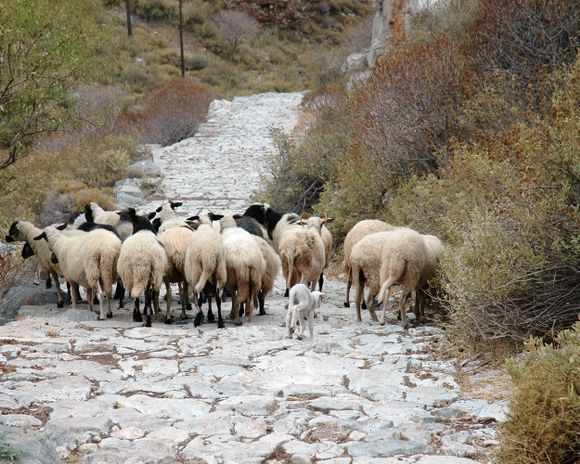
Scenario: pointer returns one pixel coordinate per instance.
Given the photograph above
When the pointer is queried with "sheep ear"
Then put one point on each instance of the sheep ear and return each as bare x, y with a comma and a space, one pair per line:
53, 258
215, 217
132, 212
175, 204
304, 216
152, 215
329, 220
9, 238
158, 210
62, 226
27, 251
193, 218
41, 236
237, 216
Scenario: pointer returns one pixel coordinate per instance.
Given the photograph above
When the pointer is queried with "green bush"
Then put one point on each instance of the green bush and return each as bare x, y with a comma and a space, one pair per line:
543, 424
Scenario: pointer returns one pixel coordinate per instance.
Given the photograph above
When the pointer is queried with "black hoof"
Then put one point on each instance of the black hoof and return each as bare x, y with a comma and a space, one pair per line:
137, 318
188, 306
109, 315
364, 305
101, 319
48, 285
262, 313
148, 321
210, 318
221, 325
238, 323
60, 305
346, 305
198, 319
168, 320
121, 305
286, 293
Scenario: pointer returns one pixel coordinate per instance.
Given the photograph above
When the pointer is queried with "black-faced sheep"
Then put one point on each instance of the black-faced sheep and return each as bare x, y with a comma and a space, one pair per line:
142, 265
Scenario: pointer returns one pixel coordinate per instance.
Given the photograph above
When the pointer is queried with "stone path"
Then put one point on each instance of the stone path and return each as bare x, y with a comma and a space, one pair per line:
221, 165
356, 393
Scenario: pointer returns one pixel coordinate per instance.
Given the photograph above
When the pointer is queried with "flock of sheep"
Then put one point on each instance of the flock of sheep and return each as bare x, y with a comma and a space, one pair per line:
209, 254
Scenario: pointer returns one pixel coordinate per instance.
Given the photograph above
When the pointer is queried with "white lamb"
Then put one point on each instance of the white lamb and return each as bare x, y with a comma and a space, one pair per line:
302, 303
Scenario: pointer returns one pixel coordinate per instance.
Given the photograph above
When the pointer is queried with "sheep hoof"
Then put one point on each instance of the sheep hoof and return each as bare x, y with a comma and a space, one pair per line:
168, 320
359, 319
109, 315
221, 325
148, 321
238, 323
198, 319
210, 318
101, 319
364, 305
188, 306
48, 285
262, 313
346, 305
60, 305
382, 323
299, 337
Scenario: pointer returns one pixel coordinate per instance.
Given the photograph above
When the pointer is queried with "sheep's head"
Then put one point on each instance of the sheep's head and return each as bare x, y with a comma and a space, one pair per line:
319, 297
13, 232
258, 212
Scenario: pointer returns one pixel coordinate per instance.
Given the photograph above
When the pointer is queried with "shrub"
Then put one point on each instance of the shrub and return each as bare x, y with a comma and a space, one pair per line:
543, 425
236, 28
173, 111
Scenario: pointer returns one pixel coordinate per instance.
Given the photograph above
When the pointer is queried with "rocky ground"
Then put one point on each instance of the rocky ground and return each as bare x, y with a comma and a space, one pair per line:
83, 391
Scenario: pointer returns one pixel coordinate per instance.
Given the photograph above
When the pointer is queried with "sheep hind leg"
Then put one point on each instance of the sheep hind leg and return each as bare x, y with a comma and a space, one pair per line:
218, 302
347, 295
74, 293
168, 303
360, 285
402, 310
136, 312
149, 297
320, 282
385, 304
120, 293
372, 305
184, 300
101, 297
59, 293
261, 303
210, 316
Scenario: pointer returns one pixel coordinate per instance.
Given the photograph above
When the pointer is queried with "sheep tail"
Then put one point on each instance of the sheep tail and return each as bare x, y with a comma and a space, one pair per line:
290, 258
206, 273
108, 271
396, 269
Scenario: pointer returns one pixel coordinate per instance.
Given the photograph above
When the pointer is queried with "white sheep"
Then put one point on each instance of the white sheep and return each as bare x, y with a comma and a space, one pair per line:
301, 252
408, 259
319, 223
88, 259
101, 253
118, 219
365, 265
166, 217
360, 230
26, 231
302, 303
245, 266
142, 265
175, 240
205, 261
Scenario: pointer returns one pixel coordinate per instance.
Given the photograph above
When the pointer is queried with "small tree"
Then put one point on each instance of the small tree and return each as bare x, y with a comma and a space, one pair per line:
236, 28
44, 52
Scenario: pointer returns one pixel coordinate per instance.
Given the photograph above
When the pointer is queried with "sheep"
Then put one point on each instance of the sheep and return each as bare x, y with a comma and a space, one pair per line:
272, 268
357, 232
301, 253
88, 259
120, 220
26, 231
408, 259
175, 240
245, 266
319, 224
167, 217
205, 265
365, 264
302, 304
142, 265
101, 252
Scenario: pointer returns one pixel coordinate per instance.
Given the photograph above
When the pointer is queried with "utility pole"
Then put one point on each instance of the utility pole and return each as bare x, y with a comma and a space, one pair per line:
181, 39
129, 25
